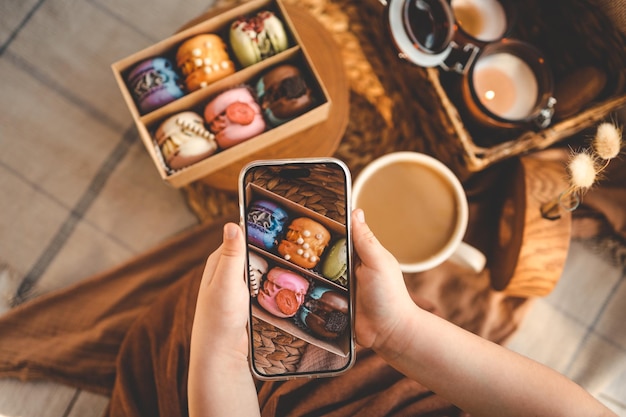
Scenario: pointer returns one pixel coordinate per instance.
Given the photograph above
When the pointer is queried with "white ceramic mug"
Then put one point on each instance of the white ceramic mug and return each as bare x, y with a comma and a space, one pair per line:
417, 209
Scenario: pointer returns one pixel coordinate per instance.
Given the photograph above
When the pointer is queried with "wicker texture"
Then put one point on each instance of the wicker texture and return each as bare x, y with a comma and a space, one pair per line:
275, 352
327, 201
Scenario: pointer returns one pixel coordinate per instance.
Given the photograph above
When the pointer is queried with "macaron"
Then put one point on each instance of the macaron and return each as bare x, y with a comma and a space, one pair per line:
234, 117
283, 292
257, 267
203, 59
255, 38
325, 312
265, 223
283, 94
154, 83
335, 263
304, 242
183, 140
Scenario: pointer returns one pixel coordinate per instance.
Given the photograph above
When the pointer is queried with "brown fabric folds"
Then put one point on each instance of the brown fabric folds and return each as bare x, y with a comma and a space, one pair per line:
126, 332
73, 336
152, 373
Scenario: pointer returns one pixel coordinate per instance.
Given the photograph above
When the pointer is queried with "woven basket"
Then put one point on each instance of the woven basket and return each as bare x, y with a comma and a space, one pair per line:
571, 33
275, 351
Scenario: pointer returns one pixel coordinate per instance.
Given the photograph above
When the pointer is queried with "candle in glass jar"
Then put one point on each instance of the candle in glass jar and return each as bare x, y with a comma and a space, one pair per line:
505, 85
484, 20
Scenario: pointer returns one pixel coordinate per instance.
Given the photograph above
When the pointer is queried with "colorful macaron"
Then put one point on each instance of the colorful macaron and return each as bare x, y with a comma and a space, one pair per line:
203, 59
283, 292
154, 83
283, 94
183, 140
257, 267
325, 313
255, 38
234, 117
265, 223
304, 242
335, 263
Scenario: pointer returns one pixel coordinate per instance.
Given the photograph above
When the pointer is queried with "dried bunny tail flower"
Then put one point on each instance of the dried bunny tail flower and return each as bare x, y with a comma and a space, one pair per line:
608, 141
582, 170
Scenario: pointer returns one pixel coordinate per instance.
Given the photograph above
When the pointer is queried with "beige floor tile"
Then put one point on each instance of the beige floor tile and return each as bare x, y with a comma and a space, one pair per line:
158, 21
136, 207
11, 16
29, 221
34, 399
59, 158
586, 283
614, 395
612, 323
89, 405
87, 251
598, 366
71, 46
548, 336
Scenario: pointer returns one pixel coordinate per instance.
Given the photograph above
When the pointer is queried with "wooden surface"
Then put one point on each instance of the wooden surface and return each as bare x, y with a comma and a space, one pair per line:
532, 250
321, 139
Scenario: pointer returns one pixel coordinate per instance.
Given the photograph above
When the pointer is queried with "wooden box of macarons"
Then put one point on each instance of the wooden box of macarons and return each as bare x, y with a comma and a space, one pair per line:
221, 89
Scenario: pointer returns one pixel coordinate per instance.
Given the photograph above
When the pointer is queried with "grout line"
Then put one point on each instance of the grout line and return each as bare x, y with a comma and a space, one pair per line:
21, 26
71, 404
53, 198
76, 214
41, 77
129, 23
591, 328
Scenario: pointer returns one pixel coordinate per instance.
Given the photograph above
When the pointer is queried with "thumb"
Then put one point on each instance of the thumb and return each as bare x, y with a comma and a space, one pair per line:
229, 270
370, 251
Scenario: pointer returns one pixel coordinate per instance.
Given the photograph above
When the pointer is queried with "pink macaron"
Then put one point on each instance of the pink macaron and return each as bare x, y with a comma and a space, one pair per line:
283, 292
234, 116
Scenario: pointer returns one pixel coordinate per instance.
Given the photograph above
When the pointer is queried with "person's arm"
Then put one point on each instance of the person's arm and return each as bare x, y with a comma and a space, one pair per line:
220, 382
480, 377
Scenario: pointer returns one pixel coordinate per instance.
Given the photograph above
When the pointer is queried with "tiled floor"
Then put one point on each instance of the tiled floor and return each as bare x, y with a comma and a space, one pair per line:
80, 193
579, 328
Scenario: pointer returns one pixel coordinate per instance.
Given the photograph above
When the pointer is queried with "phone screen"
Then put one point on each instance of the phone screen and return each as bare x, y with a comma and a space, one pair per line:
296, 216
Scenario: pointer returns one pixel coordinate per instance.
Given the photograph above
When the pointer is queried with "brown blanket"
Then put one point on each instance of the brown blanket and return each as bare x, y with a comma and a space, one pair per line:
125, 332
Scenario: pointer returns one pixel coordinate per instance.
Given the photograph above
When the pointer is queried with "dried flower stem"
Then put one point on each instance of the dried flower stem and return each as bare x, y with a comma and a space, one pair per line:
584, 169
568, 200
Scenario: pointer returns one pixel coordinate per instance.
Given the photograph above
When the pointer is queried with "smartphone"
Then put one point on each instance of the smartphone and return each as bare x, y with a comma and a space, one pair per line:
296, 217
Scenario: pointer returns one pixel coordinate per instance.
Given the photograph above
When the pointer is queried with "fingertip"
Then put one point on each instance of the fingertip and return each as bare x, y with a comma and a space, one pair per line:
231, 230
359, 215
358, 219
233, 241
367, 246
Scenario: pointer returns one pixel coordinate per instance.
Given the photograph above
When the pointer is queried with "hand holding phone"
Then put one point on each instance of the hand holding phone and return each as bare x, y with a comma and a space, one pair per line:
296, 217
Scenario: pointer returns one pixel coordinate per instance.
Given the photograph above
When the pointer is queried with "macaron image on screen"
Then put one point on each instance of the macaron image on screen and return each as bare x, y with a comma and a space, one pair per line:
299, 267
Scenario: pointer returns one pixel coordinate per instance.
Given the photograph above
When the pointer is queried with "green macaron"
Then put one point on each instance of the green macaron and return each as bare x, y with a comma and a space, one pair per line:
335, 264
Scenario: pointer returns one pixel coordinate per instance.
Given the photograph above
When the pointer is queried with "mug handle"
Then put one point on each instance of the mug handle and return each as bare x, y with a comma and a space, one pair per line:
468, 256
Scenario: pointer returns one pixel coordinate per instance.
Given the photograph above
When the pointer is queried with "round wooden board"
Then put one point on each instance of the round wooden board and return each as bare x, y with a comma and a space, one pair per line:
321, 139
